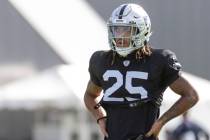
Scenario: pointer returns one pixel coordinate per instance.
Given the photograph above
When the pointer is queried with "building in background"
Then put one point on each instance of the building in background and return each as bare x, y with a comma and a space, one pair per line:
43, 107
35, 102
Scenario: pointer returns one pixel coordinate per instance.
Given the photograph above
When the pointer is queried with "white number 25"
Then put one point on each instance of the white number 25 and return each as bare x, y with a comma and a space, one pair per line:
128, 84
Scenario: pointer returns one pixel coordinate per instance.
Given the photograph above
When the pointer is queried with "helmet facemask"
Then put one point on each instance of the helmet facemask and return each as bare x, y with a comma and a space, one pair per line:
121, 38
125, 38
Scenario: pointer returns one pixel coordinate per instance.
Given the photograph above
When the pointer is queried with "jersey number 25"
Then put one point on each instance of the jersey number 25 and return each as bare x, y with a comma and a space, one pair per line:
128, 84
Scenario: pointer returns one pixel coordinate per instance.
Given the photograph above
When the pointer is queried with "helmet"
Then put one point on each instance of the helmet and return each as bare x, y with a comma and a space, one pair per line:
130, 18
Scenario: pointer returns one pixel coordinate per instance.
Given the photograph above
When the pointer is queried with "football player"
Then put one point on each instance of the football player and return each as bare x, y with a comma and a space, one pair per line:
132, 77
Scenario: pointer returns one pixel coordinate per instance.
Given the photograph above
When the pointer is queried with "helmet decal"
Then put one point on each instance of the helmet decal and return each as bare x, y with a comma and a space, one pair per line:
121, 11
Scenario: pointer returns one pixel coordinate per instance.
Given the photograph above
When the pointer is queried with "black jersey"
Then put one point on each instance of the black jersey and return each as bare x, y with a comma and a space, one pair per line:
127, 80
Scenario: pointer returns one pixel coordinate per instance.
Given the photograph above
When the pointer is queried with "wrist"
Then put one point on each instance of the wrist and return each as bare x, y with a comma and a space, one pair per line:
161, 121
99, 113
101, 118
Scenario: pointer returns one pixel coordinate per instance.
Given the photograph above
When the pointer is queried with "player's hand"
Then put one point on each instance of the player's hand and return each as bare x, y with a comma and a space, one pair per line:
102, 125
155, 130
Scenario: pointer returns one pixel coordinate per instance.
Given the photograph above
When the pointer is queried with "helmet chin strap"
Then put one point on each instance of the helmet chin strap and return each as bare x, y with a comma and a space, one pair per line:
125, 51
121, 51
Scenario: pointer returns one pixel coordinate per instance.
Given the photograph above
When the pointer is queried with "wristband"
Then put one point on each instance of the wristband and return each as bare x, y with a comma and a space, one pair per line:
97, 105
101, 119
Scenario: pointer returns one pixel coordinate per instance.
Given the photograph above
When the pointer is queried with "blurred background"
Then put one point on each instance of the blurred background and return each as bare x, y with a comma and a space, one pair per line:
45, 46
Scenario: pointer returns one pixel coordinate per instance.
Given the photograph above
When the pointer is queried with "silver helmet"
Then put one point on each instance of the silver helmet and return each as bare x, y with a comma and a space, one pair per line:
134, 20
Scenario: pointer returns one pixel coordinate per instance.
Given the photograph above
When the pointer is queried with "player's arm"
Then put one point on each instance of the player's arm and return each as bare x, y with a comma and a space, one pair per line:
189, 97
173, 78
91, 100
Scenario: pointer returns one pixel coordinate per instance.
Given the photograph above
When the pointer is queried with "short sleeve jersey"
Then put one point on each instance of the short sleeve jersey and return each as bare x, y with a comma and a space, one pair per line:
127, 80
